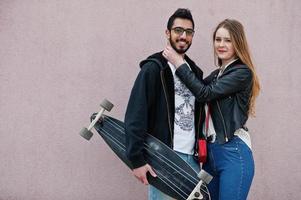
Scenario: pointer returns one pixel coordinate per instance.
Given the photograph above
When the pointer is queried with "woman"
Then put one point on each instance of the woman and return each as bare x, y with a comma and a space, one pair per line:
229, 93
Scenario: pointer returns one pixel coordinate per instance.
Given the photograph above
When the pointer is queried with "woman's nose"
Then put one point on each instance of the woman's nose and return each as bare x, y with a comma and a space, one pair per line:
222, 43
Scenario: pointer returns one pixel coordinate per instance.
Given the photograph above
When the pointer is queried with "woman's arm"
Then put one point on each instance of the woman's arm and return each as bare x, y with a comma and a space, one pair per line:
232, 81
173, 57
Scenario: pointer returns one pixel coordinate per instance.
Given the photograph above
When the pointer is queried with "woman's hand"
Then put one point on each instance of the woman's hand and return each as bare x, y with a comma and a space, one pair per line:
172, 56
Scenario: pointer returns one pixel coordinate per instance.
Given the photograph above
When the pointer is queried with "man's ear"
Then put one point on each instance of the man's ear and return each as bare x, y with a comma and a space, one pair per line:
167, 33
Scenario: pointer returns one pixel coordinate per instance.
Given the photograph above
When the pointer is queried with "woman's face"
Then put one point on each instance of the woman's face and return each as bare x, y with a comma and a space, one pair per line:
223, 46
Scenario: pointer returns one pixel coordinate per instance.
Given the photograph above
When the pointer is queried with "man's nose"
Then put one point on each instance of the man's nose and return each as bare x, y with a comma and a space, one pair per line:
183, 35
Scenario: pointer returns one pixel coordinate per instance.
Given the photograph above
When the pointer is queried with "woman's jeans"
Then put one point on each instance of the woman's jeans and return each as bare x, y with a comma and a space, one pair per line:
155, 194
232, 167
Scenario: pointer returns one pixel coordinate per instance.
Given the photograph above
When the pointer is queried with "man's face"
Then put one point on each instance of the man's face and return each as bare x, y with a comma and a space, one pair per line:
181, 34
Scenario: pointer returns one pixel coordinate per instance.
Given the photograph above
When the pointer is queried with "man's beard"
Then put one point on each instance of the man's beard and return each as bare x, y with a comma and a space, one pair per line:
180, 51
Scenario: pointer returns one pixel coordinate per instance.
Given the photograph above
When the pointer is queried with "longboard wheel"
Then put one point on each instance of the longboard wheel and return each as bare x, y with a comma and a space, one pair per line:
85, 133
107, 105
204, 176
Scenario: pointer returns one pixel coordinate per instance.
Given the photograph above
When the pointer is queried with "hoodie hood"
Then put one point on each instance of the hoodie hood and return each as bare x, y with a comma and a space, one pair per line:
158, 56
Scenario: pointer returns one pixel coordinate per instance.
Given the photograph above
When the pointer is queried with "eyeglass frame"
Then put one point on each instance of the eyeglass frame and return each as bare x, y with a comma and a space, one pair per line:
189, 32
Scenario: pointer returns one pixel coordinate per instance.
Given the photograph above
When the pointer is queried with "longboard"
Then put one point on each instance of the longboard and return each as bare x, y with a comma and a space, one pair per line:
174, 176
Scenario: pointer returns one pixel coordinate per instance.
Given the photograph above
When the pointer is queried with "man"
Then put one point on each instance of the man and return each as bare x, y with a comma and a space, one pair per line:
162, 106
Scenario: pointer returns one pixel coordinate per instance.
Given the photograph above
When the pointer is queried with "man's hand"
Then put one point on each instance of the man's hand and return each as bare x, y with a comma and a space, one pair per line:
140, 173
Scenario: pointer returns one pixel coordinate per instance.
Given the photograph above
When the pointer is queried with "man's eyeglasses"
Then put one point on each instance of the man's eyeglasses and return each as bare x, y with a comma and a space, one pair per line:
180, 31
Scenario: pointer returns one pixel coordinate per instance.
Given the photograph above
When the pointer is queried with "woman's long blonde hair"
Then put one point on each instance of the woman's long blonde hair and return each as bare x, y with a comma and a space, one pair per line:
239, 41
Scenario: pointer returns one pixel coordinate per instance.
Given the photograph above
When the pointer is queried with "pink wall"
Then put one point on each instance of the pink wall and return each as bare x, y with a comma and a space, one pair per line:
59, 59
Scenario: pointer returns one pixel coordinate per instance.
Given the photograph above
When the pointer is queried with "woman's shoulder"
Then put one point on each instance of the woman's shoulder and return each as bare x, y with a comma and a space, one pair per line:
239, 67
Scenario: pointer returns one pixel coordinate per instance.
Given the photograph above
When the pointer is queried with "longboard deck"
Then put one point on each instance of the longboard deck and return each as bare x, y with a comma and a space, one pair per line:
175, 177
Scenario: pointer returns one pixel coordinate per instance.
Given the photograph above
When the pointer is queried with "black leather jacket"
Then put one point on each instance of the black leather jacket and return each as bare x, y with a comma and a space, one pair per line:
228, 95
151, 107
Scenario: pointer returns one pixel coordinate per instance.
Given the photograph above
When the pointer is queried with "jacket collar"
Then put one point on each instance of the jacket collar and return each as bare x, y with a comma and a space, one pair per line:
231, 65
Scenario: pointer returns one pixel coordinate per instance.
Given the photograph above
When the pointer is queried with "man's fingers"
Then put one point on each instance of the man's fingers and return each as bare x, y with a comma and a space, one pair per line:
144, 180
140, 173
152, 172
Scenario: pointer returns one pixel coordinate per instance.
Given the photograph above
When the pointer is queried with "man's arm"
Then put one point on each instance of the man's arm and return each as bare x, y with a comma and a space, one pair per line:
136, 118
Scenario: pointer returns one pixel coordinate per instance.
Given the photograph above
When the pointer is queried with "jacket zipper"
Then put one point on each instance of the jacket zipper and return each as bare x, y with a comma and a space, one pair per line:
220, 112
219, 109
168, 111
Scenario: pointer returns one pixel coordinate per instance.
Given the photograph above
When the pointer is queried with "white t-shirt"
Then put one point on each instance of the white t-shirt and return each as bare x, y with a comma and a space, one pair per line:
184, 130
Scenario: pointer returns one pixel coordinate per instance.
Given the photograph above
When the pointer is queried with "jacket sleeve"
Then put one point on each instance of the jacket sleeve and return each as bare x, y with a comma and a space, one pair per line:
232, 81
210, 77
136, 118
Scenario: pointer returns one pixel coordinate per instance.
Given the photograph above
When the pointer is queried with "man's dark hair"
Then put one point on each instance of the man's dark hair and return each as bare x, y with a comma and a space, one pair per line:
182, 13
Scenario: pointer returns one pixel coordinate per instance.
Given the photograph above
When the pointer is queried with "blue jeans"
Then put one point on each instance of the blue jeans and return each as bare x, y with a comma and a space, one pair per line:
232, 166
155, 194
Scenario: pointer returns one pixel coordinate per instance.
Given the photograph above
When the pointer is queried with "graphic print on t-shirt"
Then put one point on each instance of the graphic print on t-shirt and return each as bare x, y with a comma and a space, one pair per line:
184, 110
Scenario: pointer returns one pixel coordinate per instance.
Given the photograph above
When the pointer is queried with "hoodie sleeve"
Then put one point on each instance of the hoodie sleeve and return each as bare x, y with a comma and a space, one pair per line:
136, 118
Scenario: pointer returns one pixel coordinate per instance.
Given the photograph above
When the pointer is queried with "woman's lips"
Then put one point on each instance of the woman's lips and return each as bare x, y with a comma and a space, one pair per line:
221, 50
